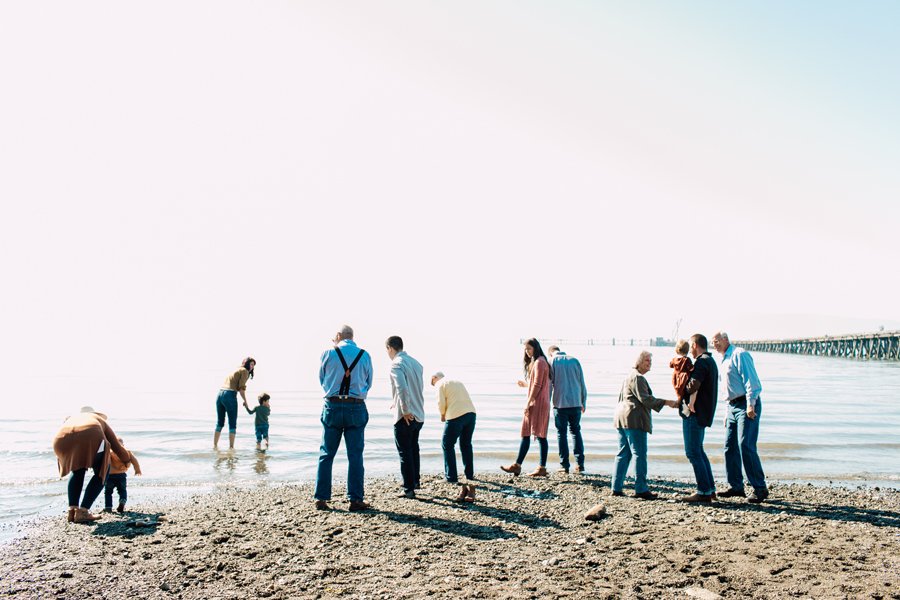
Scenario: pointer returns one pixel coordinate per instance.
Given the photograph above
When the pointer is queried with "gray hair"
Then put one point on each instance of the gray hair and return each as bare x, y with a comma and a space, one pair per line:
346, 332
640, 358
438, 375
722, 335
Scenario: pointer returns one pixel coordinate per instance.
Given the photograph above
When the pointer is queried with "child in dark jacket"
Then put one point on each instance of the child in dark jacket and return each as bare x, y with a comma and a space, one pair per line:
262, 420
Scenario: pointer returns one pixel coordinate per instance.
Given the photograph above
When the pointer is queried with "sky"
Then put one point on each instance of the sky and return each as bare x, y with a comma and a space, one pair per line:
184, 184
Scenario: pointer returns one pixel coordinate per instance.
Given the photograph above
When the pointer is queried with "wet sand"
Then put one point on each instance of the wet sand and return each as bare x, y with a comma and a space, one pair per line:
522, 538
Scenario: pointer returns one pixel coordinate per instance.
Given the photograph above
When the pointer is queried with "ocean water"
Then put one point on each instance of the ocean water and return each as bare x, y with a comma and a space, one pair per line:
824, 420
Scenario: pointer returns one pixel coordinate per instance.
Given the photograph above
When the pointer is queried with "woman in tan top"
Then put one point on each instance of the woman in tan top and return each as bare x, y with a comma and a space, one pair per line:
226, 402
83, 442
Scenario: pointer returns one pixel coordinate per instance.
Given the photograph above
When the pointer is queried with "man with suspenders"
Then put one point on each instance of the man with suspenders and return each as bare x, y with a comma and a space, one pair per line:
346, 376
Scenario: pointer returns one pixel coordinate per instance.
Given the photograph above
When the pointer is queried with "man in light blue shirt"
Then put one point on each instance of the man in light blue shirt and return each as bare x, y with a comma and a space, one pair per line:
739, 386
569, 396
346, 376
407, 389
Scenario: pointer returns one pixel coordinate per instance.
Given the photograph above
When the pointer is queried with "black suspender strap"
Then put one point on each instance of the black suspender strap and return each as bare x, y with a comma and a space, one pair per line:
345, 382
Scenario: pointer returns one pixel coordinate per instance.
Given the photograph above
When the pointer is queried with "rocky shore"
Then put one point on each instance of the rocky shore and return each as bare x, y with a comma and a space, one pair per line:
522, 538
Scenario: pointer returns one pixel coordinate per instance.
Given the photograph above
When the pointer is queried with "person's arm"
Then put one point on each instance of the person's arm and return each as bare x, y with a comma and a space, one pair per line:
135, 464
322, 364
442, 403
583, 387
242, 384
249, 410
113, 440
401, 384
367, 362
750, 379
698, 374
642, 390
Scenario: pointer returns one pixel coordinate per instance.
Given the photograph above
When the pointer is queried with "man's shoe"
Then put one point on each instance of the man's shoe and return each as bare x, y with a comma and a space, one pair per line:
758, 496
463, 492
733, 493
514, 468
409, 494
617, 493
648, 495
322, 505
698, 498
121, 507
562, 470
358, 506
539, 472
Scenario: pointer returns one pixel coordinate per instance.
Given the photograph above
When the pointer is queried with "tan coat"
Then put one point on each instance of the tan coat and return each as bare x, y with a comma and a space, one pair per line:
78, 441
635, 403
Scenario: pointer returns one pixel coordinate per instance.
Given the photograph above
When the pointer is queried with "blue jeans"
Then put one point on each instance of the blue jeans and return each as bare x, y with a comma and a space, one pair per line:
117, 482
631, 442
741, 434
525, 444
226, 403
693, 448
569, 418
347, 421
406, 436
262, 432
461, 428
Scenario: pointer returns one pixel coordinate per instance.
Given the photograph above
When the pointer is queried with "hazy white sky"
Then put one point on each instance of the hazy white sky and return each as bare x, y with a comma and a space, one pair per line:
204, 180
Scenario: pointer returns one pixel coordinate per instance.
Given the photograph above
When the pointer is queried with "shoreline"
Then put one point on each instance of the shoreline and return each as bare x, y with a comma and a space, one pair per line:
522, 537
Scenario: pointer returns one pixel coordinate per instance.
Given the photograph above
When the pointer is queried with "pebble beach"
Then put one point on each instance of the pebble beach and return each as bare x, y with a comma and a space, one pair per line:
522, 538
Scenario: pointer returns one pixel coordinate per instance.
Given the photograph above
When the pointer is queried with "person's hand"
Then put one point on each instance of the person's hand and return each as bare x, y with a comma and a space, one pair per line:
751, 411
443, 419
408, 418
138, 473
521, 383
691, 407
583, 408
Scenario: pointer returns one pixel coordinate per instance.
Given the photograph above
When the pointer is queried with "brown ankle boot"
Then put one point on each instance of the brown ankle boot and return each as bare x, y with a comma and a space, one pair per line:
539, 472
463, 491
514, 468
470, 493
71, 516
83, 515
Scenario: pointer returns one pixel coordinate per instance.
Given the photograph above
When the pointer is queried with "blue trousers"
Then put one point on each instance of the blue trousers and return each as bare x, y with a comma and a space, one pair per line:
226, 403
741, 434
569, 418
117, 482
406, 436
631, 442
262, 432
461, 428
693, 434
348, 421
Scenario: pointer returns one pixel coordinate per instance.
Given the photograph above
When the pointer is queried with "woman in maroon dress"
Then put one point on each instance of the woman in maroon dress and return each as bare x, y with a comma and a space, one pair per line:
537, 409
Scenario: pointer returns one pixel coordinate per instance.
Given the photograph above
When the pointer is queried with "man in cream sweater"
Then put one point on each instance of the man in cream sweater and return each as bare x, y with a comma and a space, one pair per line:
458, 415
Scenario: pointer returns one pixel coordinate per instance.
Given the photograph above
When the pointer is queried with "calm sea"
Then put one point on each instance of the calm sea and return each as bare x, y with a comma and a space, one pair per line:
824, 420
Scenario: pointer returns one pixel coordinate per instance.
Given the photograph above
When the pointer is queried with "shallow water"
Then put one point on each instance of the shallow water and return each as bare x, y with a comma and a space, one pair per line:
824, 420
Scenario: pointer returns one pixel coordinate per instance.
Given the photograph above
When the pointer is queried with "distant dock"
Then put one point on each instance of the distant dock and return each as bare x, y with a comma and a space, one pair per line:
884, 345
563, 342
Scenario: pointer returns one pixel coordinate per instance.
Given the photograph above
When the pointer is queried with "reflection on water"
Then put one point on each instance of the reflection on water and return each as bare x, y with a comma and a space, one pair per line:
261, 468
226, 461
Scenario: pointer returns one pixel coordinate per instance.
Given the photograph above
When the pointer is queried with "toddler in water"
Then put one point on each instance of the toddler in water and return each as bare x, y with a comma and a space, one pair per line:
262, 420
683, 367
118, 479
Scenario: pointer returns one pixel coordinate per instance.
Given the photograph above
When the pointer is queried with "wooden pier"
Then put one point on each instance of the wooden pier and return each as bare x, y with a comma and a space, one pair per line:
884, 345
562, 343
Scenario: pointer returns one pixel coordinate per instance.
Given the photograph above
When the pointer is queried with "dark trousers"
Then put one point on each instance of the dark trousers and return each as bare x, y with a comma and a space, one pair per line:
94, 486
116, 482
406, 435
569, 418
461, 428
526, 444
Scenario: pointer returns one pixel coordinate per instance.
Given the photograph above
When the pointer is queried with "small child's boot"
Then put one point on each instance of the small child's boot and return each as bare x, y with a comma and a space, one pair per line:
120, 508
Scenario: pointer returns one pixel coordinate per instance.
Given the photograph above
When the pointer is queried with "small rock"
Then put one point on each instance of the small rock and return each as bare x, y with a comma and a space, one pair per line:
164, 586
596, 513
65, 574
701, 594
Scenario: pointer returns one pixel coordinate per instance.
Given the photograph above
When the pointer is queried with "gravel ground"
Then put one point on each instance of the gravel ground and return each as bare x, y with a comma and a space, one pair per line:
522, 538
